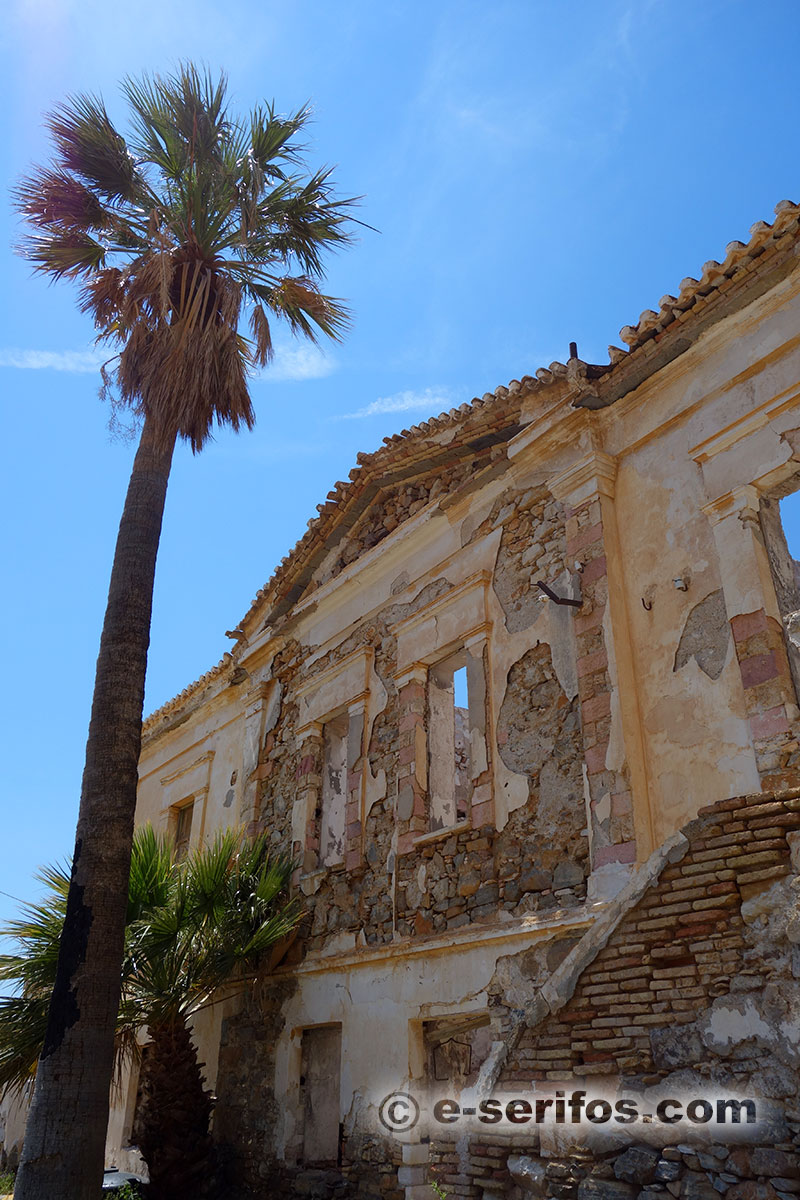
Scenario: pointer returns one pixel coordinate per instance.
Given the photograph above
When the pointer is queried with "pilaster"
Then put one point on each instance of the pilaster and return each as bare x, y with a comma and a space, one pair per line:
615, 772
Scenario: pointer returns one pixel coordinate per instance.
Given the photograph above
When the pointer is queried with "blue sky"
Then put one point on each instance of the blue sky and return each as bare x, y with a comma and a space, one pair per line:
539, 171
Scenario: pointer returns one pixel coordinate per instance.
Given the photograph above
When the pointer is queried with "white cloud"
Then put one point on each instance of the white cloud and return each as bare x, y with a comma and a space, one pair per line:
82, 362
296, 362
290, 362
432, 400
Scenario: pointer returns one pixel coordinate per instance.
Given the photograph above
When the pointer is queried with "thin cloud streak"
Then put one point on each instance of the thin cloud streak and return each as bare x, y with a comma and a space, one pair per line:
296, 363
430, 400
80, 362
290, 362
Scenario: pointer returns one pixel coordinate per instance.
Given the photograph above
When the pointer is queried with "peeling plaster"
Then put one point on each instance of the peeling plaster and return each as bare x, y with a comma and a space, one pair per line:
728, 1025
706, 636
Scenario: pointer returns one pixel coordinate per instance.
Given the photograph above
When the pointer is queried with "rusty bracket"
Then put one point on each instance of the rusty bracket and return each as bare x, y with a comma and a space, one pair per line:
558, 599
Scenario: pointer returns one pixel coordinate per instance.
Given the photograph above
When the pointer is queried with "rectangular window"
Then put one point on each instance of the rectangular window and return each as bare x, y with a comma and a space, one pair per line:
183, 829
320, 1067
334, 792
455, 1047
449, 753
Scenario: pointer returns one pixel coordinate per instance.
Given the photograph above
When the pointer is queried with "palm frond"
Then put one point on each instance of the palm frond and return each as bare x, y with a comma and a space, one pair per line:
195, 930
89, 145
272, 138
195, 223
23, 1022
263, 351
71, 254
303, 306
55, 198
152, 874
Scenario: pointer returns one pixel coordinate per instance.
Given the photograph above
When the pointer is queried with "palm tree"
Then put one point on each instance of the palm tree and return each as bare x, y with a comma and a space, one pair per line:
195, 931
173, 236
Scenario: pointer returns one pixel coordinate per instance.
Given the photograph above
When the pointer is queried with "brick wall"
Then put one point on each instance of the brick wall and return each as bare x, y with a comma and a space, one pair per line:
714, 931
674, 953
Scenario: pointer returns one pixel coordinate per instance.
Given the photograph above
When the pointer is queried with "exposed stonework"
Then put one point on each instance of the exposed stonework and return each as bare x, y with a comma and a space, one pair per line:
391, 510
496, 886
533, 547
247, 1107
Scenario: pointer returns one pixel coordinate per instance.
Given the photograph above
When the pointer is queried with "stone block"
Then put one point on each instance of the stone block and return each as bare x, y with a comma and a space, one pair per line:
695, 1185
764, 1160
676, 1046
534, 880
567, 874
749, 1189
405, 803
637, 1165
594, 1188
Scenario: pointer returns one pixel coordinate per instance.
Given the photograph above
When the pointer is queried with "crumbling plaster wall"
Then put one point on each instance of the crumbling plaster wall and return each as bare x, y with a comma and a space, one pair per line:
382, 997
708, 426
605, 727
13, 1116
471, 874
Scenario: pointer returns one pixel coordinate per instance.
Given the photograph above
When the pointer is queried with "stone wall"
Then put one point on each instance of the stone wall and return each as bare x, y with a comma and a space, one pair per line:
539, 860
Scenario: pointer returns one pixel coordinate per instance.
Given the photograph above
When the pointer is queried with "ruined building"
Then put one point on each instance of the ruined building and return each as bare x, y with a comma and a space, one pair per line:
520, 649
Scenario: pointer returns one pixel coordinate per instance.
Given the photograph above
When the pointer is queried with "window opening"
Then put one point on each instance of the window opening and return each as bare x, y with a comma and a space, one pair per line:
183, 830
449, 754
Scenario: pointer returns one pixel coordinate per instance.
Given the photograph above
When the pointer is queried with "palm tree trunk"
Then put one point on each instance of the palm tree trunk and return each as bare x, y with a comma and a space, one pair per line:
63, 1156
173, 1123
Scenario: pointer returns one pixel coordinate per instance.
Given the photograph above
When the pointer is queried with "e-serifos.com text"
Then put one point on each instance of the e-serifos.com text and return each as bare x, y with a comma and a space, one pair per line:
400, 1112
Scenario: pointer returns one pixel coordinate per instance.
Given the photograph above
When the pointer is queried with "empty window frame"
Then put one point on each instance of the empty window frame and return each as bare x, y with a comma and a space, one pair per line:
182, 815
334, 791
449, 750
455, 1047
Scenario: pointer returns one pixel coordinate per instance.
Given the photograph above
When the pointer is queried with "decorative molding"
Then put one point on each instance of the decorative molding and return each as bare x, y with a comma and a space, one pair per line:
751, 422
594, 475
312, 729
341, 687
417, 672
740, 501
466, 606
176, 774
